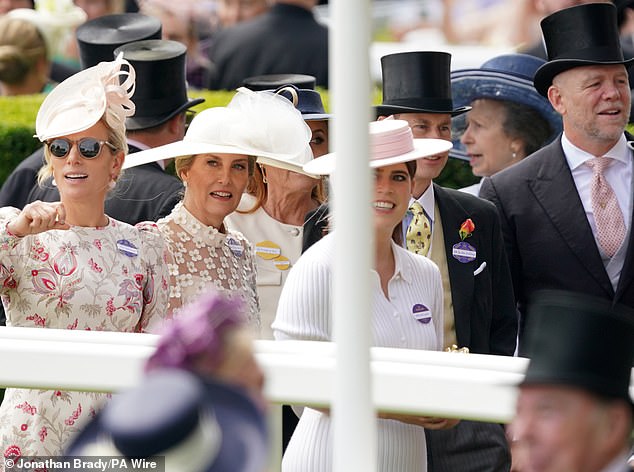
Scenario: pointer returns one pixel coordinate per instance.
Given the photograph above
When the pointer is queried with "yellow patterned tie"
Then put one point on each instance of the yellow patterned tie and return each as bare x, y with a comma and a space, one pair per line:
418, 234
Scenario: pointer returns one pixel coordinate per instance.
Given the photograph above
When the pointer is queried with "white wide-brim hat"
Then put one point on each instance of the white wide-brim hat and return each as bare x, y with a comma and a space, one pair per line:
259, 124
391, 142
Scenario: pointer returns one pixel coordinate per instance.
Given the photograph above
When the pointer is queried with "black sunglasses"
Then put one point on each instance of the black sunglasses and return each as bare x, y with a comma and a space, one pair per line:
89, 148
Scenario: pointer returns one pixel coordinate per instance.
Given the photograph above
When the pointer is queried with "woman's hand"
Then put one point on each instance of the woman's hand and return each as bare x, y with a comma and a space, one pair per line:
38, 217
427, 422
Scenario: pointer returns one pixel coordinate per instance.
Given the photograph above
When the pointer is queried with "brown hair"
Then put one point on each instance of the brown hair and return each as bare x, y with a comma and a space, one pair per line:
397, 232
21, 47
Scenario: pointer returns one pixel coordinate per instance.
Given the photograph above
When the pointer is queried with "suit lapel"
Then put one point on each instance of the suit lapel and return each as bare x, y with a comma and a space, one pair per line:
555, 190
453, 215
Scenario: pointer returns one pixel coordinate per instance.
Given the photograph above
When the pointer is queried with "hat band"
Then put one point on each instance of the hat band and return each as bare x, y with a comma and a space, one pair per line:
608, 53
427, 103
158, 106
393, 143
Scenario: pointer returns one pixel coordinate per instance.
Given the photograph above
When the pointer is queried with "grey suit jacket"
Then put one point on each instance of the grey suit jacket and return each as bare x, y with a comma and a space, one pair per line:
548, 239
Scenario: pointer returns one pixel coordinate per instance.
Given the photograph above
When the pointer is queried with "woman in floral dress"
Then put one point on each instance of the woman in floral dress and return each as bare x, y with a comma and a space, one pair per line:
67, 265
215, 161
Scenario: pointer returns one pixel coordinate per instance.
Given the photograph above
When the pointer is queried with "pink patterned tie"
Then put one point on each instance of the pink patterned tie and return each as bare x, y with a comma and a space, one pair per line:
607, 213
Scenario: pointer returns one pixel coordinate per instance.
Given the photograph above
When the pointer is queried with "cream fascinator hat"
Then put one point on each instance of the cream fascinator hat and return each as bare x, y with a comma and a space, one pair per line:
260, 124
84, 98
391, 142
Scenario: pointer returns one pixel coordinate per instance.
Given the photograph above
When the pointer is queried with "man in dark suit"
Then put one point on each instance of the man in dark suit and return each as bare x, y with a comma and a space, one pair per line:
574, 410
479, 310
549, 216
286, 39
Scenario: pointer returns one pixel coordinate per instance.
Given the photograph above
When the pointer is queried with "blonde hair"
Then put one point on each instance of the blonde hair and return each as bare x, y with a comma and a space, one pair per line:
182, 163
116, 137
259, 190
21, 47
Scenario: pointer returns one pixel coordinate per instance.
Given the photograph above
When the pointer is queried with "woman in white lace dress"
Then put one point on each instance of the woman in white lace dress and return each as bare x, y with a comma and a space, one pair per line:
67, 265
215, 161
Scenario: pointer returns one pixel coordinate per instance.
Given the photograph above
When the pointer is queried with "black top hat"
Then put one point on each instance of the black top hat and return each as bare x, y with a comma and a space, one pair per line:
579, 36
307, 101
579, 341
273, 81
417, 82
161, 86
99, 37
174, 415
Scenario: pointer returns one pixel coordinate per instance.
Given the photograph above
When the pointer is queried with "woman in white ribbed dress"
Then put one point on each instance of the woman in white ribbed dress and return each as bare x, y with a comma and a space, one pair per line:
407, 303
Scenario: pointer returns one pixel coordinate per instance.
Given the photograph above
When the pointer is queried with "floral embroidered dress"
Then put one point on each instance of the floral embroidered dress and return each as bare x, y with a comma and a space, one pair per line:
111, 278
203, 256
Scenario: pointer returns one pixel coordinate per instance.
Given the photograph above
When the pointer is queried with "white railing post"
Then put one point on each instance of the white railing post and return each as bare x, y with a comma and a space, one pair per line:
354, 426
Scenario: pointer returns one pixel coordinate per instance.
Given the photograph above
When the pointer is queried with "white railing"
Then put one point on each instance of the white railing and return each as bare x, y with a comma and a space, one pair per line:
436, 383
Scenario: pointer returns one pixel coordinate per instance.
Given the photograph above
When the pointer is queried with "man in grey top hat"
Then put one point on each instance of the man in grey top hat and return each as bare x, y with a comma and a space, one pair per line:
566, 210
574, 411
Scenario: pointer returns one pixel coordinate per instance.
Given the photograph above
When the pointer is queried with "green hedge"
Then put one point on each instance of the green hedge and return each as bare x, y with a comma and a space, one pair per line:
17, 126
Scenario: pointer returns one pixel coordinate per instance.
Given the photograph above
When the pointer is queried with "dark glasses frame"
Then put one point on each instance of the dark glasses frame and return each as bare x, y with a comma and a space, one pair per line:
89, 148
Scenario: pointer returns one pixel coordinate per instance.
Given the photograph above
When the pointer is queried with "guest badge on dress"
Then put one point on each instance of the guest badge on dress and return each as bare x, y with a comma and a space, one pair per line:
282, 262
267, 250
421, 313
235, 247
126, 248
464, 252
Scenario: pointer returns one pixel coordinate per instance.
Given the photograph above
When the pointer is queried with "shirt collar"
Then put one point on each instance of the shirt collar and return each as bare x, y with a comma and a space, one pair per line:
402, 265
577, 157
427, 202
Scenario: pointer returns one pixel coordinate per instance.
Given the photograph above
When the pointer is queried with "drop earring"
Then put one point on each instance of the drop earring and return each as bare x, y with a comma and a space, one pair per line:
263, 175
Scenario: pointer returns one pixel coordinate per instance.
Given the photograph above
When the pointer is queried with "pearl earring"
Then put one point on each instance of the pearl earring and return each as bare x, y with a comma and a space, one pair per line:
514, 155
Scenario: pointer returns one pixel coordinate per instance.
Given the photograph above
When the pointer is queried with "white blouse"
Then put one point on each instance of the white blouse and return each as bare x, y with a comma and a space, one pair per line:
202, 257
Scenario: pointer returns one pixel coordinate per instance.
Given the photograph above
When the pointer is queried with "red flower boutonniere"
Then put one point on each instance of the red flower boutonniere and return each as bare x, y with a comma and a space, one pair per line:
466, 229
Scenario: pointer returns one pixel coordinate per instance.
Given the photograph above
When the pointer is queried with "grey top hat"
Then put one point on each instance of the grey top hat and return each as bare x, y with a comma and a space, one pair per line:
579, 341
161, 86
99, 37
582, 35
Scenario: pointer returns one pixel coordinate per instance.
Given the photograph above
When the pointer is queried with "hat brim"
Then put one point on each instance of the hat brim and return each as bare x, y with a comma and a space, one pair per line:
189, 148
387, 110
136, 123
327, 163
243, 429
285, 166
546, 73
316, 116
181, 148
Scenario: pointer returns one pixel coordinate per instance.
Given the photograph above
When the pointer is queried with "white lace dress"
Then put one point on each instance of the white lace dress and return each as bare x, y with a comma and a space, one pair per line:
202, 257
111, 278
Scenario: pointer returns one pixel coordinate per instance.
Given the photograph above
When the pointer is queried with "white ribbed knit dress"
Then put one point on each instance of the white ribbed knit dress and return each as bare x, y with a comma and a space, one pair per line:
304, 312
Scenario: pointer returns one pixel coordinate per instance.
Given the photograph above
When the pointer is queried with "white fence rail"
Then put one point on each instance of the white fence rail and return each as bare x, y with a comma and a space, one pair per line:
435, 383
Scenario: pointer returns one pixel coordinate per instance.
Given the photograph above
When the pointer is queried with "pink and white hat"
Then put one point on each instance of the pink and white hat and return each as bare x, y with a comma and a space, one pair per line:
391, 142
